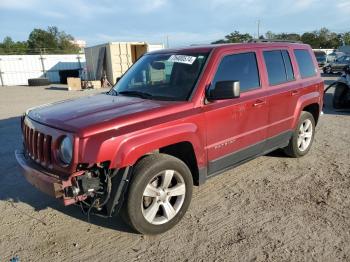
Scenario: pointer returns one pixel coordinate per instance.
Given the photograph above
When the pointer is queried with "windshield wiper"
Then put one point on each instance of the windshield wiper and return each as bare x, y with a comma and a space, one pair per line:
135, 93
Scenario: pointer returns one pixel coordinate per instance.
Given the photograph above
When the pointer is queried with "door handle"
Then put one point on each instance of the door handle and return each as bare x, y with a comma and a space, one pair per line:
259, 103
295, 92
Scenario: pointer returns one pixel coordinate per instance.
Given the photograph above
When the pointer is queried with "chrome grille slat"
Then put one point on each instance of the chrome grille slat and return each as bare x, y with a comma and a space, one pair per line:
30, 140
40, 147
37, 145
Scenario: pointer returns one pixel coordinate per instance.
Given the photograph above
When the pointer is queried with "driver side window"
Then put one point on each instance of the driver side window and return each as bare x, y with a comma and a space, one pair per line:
239, 67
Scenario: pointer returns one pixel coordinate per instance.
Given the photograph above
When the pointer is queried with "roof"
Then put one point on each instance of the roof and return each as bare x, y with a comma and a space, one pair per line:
208, 48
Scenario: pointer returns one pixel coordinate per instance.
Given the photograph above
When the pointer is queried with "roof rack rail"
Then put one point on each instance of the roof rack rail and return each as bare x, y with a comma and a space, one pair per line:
273, 40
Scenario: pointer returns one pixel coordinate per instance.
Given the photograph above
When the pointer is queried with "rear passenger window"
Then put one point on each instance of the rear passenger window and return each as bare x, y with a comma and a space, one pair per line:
305, 63
239, 67
279, 66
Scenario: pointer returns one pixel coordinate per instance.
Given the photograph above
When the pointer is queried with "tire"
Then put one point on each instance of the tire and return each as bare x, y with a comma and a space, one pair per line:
295, 148
339, 95
140, 203
38, 82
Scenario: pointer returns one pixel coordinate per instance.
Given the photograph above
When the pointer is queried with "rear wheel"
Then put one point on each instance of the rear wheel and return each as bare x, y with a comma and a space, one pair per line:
302, 138
159, 194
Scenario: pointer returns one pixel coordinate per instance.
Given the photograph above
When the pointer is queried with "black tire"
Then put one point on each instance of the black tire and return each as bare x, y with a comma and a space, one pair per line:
38, 82
144, 171
339, 95
292, 149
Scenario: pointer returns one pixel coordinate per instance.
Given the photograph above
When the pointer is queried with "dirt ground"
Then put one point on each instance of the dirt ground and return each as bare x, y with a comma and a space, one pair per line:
273, 208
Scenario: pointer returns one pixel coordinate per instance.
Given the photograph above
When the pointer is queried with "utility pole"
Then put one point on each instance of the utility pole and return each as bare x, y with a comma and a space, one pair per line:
42, 61
167, 41
258, 22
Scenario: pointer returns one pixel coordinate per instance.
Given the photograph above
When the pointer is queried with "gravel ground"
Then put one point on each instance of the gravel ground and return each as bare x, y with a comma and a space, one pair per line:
273, 208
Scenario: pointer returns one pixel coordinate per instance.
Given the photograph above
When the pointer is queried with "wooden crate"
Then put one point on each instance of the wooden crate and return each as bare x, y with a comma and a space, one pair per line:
74, 83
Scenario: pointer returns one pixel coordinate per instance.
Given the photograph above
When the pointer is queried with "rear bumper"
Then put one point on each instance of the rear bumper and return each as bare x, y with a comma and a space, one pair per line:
46, 182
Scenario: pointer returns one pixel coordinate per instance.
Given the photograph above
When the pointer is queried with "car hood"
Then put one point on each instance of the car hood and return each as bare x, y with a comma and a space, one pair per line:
86, 112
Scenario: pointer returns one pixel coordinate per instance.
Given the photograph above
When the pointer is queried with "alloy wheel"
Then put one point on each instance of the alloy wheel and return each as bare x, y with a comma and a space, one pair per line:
305, 135
163, 197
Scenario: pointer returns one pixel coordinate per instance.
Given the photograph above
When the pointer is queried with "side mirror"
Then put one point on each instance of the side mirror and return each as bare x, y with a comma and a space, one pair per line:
224, 90
118, 78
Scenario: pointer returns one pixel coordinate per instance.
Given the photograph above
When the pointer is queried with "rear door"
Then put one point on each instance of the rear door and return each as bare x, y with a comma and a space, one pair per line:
236, 128
283, 93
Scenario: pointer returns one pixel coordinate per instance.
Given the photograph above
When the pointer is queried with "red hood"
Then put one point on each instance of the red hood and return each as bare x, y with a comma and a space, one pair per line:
87, 112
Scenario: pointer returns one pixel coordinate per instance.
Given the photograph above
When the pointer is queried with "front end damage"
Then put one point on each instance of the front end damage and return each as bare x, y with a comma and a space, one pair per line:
95, 188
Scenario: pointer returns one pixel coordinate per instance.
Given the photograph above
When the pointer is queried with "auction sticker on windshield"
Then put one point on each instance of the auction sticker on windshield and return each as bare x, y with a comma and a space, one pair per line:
184, 59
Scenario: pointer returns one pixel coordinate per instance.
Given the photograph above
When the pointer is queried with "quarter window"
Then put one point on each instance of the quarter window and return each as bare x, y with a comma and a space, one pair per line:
305, 63
239, 67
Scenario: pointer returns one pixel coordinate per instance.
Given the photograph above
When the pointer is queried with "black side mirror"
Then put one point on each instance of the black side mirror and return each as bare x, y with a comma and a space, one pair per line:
224, 90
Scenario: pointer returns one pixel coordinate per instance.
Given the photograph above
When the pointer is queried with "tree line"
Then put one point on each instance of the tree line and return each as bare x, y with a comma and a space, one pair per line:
49, 41
323, 38
53, 41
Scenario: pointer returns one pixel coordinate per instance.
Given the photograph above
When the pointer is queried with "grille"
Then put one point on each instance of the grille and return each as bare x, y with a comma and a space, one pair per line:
37, 145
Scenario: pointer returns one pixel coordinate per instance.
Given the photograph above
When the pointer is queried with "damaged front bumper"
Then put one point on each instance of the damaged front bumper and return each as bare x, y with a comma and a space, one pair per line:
64, 188
46, 182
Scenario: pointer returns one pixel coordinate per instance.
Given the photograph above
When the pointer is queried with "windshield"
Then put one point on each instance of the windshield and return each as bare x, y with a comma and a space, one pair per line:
162, 76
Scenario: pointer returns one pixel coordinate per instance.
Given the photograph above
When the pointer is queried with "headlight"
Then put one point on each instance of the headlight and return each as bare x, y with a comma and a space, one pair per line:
66, 150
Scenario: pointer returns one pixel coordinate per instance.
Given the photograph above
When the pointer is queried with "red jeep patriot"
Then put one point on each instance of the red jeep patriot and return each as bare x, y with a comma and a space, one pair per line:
176, 118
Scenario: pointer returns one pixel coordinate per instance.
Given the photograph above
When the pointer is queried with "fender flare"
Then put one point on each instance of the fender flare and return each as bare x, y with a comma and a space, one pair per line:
303, 101
132, 148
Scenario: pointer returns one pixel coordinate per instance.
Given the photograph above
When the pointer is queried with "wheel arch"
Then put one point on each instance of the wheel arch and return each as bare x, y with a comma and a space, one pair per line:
183, 142
314, 110
185, 152
310, 103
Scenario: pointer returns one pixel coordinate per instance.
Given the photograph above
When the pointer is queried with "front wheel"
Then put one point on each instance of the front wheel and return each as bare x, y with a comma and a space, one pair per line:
159, 194
303, 135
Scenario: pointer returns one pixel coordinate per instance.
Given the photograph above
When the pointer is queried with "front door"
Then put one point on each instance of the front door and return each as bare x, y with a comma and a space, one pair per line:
236, 128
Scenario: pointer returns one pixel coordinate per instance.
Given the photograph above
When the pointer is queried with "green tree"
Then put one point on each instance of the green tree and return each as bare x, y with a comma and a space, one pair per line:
346, 38
51, 41
235, 37
270, 35
8, 46
312, 39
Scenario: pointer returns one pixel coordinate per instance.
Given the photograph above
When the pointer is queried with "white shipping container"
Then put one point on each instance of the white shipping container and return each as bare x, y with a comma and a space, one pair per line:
17, 69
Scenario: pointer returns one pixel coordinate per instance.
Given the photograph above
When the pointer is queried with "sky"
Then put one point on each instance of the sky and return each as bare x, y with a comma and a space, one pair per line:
183, 22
